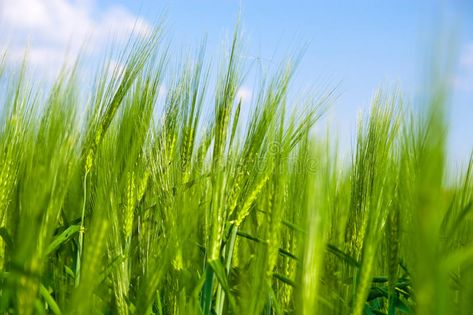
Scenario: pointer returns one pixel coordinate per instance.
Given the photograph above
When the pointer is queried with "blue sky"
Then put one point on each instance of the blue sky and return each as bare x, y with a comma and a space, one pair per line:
357, 46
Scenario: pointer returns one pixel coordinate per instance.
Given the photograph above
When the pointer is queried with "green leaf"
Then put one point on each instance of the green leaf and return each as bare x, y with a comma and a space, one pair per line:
219, 271
62, 238
206, 300
401, 306
49, 299
6, 237
343, 256
284, 279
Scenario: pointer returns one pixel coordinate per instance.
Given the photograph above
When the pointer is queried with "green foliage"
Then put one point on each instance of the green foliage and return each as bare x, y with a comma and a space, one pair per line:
189, 208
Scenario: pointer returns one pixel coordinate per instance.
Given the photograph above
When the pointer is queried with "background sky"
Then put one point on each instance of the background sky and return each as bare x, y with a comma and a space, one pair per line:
357, 46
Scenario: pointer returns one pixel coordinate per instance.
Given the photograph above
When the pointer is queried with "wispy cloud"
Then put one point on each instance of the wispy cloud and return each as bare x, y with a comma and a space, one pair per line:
50, 28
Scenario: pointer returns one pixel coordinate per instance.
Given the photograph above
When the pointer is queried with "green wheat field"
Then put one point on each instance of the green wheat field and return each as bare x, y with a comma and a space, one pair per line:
111, 205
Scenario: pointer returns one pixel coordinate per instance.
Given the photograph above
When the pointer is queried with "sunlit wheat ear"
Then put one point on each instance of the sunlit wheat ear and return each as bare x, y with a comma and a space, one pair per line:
131, 199
8, 176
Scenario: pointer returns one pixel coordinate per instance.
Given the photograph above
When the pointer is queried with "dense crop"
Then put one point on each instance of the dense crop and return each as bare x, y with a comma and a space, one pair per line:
191, 209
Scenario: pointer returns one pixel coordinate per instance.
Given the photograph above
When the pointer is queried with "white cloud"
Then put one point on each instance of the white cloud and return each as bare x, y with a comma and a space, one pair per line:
52, 20
118, 21
52, 28
244, 94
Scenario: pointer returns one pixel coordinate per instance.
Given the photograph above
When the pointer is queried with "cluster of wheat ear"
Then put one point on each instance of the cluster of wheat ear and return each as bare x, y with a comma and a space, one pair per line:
204, 204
